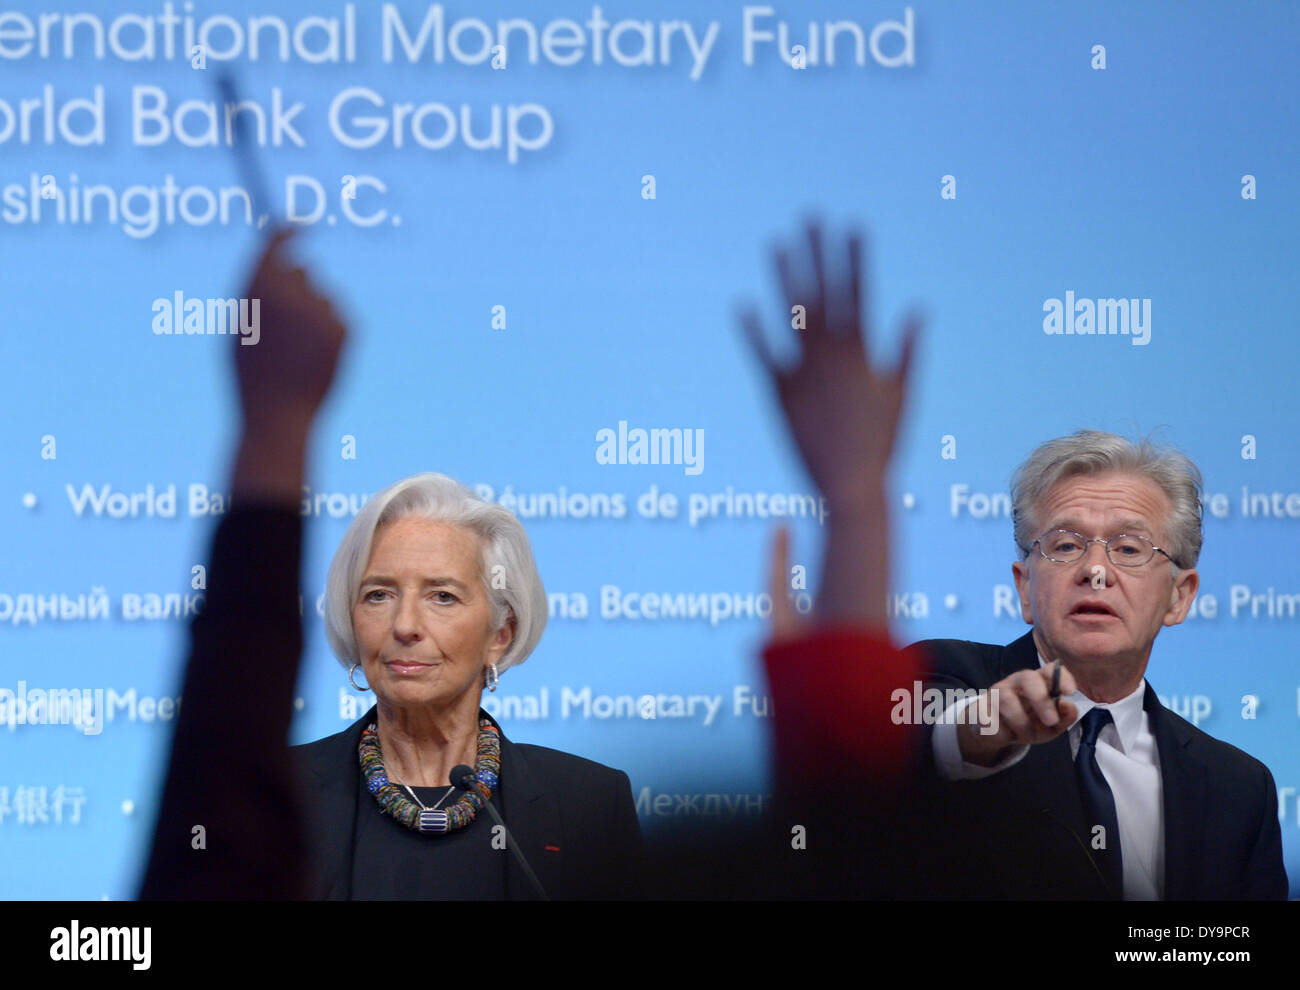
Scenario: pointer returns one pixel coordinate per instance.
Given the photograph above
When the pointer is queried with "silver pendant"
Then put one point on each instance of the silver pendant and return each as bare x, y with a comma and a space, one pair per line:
434, 821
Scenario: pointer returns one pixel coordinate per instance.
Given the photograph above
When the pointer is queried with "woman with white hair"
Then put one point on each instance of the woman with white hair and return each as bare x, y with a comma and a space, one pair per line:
431, 597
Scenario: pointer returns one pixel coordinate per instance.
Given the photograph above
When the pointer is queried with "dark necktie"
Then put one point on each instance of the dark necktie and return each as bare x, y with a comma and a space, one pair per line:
1099, 803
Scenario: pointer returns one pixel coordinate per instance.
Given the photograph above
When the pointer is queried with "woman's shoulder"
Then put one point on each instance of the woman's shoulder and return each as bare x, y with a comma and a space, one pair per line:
557, 763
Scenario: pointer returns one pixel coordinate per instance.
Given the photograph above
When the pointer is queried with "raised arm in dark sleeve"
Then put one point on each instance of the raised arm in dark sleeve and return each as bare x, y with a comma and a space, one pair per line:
228, 825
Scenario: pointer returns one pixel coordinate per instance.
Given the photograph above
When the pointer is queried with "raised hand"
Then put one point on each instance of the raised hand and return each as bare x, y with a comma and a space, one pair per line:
284, 376
843, 413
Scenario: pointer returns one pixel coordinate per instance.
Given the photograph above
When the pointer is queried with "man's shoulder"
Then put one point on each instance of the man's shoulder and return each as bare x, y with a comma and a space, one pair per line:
1227, 760
970, 661
957, 647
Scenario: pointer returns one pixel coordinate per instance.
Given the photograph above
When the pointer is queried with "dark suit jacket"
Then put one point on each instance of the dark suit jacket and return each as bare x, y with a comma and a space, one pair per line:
1027, 824
574, 820
230, 825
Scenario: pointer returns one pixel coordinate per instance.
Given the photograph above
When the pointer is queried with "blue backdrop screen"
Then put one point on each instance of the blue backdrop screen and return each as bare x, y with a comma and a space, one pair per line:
539, 219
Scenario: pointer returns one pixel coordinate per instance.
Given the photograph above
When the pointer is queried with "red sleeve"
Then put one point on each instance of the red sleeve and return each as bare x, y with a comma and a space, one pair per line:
831, 693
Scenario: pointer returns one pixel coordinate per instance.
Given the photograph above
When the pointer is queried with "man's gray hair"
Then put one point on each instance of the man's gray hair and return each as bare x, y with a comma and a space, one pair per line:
509, 575
1093, 452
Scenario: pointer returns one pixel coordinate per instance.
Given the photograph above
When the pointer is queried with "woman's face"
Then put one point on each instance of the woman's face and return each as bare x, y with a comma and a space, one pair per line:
422, 618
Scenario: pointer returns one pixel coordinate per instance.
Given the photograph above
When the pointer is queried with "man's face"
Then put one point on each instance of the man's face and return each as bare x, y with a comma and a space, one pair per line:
1092, 611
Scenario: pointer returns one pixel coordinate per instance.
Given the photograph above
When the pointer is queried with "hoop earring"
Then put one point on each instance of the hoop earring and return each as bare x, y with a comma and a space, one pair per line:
490, 677
352, 670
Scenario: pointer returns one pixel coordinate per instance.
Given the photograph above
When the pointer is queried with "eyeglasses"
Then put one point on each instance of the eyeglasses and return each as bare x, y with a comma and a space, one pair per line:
1125, 550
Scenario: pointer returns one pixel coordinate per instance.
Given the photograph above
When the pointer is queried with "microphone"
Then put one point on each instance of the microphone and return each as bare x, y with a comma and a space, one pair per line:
465, 778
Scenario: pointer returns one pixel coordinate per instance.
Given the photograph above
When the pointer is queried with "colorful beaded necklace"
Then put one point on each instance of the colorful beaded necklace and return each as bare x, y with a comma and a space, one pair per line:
394, 802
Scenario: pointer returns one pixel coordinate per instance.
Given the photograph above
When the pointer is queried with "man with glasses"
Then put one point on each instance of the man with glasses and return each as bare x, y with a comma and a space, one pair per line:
1084, 785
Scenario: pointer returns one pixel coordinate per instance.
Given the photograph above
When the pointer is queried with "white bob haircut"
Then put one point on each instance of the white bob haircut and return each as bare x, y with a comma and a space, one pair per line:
504, 553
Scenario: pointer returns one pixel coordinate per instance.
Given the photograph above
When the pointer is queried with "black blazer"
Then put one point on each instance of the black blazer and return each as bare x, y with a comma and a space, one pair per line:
574, 820
1221, 834
232, 778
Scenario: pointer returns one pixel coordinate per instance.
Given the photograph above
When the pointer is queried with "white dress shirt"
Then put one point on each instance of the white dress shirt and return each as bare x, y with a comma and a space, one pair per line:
1130, 762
